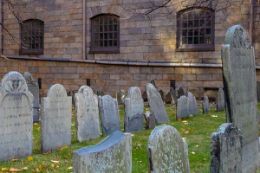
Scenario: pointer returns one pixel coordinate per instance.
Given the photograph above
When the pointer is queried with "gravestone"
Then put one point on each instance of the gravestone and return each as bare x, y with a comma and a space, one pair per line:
16, 122
88, 125
167, 151
134, 110
220, 105
180, 92
56, 119
192, 104
34, 89
120, 96
108, 107
150, 120
168, 98
156, 104
182, 107
205, 104
240, 83
173, 95
112, 155
226, 153
162, 95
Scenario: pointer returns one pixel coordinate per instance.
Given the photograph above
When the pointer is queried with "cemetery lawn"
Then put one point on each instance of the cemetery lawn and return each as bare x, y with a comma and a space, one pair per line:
196, 130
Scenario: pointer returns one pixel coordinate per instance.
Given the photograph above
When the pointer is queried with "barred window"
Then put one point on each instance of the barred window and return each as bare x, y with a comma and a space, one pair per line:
32, 35
105, 34
195, 29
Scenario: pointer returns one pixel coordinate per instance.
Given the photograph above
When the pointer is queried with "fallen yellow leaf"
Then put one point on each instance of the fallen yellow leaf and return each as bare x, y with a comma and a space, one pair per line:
55, 161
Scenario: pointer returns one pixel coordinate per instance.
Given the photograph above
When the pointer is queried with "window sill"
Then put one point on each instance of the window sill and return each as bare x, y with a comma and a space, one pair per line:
104, 52
29, 52
195, 49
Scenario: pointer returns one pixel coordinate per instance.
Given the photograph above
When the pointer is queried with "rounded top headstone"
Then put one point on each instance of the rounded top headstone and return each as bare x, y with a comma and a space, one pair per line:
86, 90
237, 37
14, 82
57, 90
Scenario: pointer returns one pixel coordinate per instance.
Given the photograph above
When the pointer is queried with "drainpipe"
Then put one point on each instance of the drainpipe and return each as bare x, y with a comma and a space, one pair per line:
251, 19
84, 30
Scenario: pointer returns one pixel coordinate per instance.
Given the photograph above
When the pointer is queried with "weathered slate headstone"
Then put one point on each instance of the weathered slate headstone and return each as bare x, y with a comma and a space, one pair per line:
205, 104
180, 92
226, 153
156, 104
108, 107
240, 84
112, 155
192, 104
134, 110
182, 107
34, 89
173, 95
16, 122
88, 125
162, 95
168, 98
220, 104
56, 118
120, 96
167, 151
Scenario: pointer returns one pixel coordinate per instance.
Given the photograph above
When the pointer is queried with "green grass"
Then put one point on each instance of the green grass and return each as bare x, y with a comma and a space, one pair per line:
196, 130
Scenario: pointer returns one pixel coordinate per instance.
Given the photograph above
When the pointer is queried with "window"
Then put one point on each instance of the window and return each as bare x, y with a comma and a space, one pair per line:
32, 32
195, 29
105, 34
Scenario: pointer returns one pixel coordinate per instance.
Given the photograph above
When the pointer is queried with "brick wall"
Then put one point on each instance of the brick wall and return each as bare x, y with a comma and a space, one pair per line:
62, 31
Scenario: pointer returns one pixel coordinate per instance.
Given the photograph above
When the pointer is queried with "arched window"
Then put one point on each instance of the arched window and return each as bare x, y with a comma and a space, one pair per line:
105, 34
195, 29
32, 35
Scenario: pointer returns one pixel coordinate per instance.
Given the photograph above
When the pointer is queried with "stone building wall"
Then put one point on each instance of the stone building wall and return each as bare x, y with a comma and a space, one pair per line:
150, 42
257, 30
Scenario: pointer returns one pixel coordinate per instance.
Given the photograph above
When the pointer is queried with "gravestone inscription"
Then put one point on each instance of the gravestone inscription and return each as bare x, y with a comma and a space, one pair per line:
88, 125
16, 122
134, 110
56, 119
167, 151
240, 83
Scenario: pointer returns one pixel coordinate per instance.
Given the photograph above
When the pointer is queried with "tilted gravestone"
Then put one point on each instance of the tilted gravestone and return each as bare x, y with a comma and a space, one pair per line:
108, 107
34, 89
16, 122
150, 120
156, 104
56, 119
167, 151
205, 104
88, 125
192, 104
240, 83
220, 104
134, 110
112, 155
226, 150
182, 107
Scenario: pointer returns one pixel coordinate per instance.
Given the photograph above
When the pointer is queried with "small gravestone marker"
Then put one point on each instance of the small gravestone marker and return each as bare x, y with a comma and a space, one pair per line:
182, 107
112, 155
88, 126
134, 110
109, 114
56, 118
156, 104
168, 98
167, 151
220, 105
173, 95
180, 92
34, 89
226, 153
162, 95
150, 120
205, 104
120, 96
192, 104
240, 83
16, 123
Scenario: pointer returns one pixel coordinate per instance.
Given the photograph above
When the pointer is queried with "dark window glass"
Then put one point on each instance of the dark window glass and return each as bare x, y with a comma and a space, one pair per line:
195, 29
32, 36
105, 34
